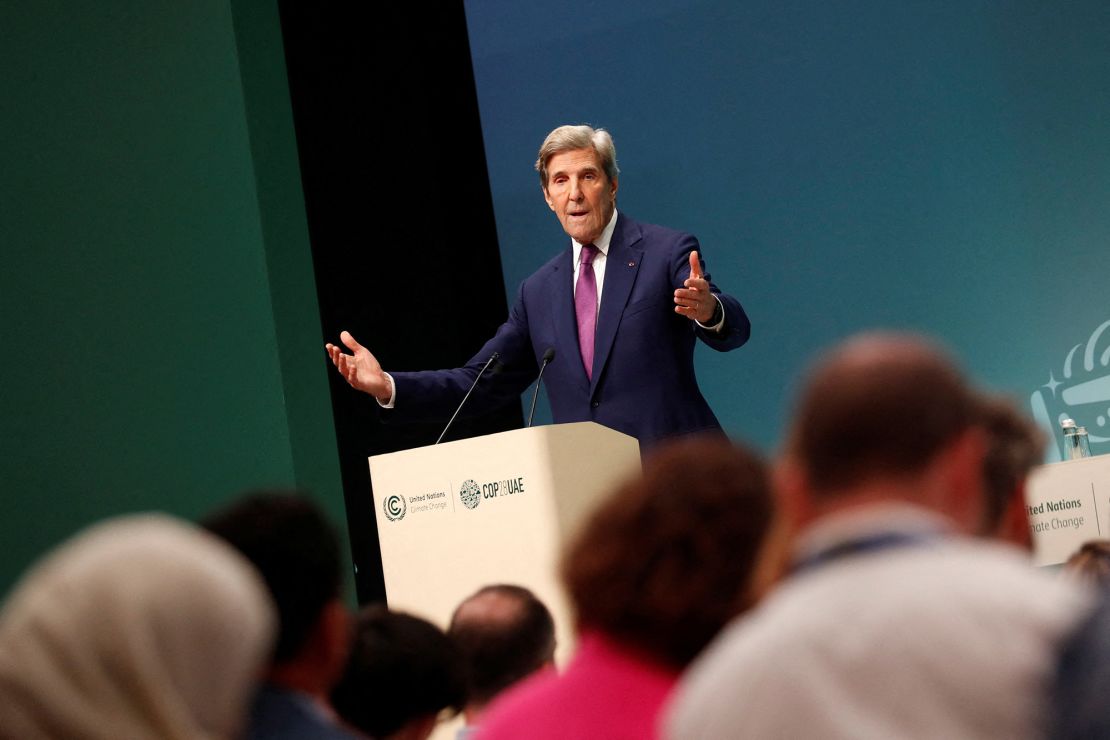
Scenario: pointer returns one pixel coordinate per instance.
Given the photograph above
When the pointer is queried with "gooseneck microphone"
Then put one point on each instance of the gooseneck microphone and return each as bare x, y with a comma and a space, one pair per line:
492, 359
548, 356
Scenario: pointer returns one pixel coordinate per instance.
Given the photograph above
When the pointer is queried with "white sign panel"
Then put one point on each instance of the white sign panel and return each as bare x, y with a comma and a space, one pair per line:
1068, 504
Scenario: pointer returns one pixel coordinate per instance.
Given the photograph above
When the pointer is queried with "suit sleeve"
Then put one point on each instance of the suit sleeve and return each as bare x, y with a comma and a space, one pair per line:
435, 394
738, 328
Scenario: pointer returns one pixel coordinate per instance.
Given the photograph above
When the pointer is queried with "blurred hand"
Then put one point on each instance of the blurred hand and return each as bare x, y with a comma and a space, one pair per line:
360, 368
695, 301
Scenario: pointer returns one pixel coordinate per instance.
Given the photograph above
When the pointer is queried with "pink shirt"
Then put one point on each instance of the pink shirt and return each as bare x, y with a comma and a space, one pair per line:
607, 691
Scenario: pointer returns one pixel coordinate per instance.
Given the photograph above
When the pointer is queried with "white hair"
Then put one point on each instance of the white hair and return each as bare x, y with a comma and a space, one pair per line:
569, 138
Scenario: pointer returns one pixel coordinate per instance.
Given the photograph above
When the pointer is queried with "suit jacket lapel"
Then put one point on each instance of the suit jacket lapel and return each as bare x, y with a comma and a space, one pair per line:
621, 265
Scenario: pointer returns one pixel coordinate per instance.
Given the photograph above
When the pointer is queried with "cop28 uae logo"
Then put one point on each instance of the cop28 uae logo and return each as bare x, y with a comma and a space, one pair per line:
470, 494
1082, 391
394, 507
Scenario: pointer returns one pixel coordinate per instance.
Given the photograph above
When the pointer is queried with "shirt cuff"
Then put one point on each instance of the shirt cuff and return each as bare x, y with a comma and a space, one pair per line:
392, 393
716, 327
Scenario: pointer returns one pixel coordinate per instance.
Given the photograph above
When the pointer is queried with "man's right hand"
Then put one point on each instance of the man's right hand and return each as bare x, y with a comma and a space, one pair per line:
360, 369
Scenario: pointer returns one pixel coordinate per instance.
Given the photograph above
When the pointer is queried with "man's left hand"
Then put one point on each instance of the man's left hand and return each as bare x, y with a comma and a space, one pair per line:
695, 301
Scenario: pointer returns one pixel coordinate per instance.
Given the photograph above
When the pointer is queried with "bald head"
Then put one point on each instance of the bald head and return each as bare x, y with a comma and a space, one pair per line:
498, 605
878, 406
505, 633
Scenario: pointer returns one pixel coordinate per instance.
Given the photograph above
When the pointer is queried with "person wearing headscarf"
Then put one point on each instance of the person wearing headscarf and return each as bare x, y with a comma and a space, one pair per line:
139, 627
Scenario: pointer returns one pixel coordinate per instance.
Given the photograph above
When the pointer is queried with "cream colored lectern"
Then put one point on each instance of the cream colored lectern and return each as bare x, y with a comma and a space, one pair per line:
495, 509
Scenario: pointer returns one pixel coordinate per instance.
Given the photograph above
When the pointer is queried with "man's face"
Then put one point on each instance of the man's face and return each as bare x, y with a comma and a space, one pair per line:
580, 194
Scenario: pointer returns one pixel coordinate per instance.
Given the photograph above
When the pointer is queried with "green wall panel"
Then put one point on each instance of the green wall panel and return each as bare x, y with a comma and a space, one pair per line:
143, 342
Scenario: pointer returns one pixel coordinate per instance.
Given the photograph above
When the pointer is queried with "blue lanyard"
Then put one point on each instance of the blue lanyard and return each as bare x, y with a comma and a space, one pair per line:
861, 546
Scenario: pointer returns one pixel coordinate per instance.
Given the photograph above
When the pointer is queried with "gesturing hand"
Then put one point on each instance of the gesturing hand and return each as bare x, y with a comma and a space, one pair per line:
695, 301
360, 369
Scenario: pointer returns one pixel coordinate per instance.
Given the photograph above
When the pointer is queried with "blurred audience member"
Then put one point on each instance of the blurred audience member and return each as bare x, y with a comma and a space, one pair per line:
1091, 563
1082, 679
1015, 445
289, 540
504, 634
403, 671
142, 627
656, 572
891, 624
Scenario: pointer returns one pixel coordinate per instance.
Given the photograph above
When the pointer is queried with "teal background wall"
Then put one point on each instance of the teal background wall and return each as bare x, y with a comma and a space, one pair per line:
934, 166
160, 337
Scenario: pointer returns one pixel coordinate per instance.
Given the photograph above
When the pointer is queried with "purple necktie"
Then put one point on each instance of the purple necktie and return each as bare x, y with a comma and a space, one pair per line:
585, 306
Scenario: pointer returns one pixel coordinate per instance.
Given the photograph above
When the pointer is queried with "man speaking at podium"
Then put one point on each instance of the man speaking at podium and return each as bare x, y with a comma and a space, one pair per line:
614, 317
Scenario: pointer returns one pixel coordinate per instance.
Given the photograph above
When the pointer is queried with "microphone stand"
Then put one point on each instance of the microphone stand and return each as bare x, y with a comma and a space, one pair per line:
492, 359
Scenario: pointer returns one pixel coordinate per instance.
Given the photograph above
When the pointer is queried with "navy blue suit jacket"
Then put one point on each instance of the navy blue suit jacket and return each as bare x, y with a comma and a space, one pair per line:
643, 371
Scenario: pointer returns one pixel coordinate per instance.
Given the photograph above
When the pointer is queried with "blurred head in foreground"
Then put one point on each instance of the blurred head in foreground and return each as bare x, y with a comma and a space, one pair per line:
504, 634
885, 417
289, 540
1015, 445
140, 627
403, 671
669, 558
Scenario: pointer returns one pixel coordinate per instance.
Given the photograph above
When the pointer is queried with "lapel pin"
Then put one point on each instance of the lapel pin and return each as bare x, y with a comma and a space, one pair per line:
631, 264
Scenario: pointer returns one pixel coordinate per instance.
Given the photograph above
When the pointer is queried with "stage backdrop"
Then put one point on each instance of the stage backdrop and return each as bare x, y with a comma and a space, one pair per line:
158, 323
936, 167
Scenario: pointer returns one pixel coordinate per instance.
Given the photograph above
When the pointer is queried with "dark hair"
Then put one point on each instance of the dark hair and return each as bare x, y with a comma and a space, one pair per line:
668, 559
1014, 447
1091, 563
504, 633
291, 543
401, 668
878, 405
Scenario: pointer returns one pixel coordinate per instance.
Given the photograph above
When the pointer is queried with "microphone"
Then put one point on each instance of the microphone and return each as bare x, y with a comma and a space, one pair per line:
548, 356
492, 359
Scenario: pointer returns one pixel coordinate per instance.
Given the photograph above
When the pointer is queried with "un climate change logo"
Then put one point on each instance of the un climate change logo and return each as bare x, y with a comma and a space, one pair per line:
394, 507
470, 494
